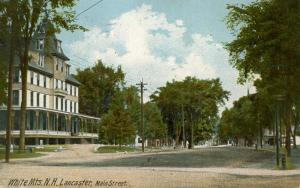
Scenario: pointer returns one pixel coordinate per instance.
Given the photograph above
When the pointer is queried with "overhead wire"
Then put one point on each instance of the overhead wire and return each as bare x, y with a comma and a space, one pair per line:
90, 7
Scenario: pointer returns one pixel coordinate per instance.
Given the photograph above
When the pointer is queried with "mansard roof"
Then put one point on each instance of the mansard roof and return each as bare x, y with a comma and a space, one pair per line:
50, 40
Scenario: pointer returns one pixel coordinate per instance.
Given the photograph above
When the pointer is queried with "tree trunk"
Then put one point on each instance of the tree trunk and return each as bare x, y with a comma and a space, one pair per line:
192, 133
23, 122
261, 136
178, 131
287, 120
296, 124
9, 98
294, 138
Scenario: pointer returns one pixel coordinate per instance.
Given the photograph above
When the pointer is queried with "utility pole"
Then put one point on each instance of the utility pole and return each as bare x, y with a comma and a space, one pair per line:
142, 85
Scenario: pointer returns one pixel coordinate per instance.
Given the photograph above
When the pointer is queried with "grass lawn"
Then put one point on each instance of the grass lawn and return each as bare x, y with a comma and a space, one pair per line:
28, 154
20, 154
208, 157
198, 158
292, 162
114, 149
48, 148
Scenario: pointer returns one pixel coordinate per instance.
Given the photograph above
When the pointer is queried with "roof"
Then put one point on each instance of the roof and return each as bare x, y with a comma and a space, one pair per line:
43, 70
50, 42
72, 79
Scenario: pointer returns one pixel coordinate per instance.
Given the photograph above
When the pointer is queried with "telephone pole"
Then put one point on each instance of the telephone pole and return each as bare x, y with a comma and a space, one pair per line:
142, 85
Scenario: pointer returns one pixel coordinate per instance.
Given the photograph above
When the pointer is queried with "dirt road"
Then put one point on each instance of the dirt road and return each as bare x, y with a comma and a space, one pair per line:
48, 169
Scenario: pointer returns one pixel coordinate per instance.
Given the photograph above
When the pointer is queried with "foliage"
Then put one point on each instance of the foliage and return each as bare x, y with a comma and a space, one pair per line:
98, 86
154, 126
24, 18
246, 119
266, 43
117, 126
197, 99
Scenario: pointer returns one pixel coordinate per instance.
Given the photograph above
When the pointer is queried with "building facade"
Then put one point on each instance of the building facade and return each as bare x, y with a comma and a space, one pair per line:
52, 97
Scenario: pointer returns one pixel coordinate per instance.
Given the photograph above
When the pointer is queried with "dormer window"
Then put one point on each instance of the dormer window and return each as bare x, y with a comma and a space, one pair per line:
67, 70
58, 45
40, 44
41, 61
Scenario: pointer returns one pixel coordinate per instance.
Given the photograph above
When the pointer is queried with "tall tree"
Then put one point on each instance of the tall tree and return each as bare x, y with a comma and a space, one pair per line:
155, 128
267, 43
117, 125
98, 86
8, 40
200, 100
60, 15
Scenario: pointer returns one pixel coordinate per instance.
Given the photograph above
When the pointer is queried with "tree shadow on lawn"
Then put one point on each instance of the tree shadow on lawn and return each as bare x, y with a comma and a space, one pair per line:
199, 158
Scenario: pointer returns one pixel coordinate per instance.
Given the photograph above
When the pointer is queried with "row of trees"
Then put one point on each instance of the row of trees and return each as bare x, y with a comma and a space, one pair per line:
103, 93
18, 22
190, 108
266, 46
180, 111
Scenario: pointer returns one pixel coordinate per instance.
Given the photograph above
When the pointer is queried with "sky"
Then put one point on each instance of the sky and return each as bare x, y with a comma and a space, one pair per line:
156, 40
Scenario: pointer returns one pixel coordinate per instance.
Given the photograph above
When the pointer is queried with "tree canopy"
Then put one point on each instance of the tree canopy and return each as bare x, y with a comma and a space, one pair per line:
195, 100
98, 86
266, 44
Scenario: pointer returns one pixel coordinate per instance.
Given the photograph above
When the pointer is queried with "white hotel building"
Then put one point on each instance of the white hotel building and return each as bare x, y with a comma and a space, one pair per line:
52, 97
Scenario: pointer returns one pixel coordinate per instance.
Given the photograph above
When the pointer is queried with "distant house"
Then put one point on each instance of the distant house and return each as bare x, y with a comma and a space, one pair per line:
52, 97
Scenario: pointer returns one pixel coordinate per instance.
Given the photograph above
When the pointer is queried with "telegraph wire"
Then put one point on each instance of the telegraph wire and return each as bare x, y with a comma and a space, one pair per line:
90, 7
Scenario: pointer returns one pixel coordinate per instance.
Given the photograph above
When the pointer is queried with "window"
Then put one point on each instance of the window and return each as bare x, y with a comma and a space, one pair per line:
45, 101
31, 77
15, 97
40, 44
75, 107
31, 98
70, 89
66, 104
62, 67
67, 70
57, 65
41, 61
56, 84
37, 99
66, 87
56, 103
62, 85
45, 81
61, 104
71, 109
16, 76
38, 79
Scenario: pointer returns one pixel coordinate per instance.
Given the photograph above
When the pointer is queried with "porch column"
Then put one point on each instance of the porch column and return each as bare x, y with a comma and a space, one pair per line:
81, 125
92, 126
48, 121
86, 126
37, 121
68, 123
48, 127
56, 126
